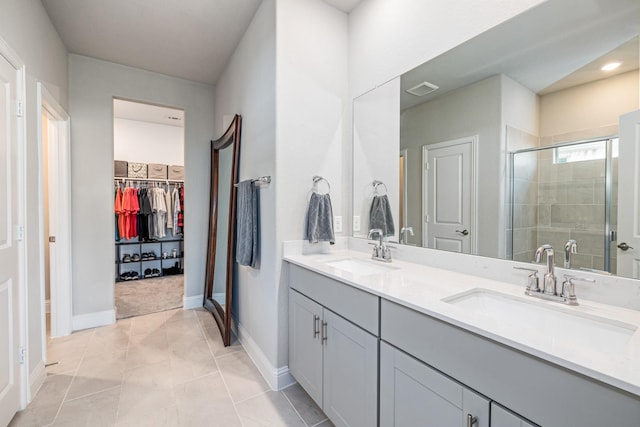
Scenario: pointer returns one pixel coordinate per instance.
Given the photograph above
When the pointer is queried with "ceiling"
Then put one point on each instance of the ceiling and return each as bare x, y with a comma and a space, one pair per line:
189, 39
556, 45
139, 111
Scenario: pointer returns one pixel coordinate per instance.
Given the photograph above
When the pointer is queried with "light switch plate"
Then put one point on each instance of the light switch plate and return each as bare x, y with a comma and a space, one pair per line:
337, 224
356, 223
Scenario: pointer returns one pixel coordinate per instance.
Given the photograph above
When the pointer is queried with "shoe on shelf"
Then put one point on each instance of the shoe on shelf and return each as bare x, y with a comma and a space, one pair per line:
135, 258
151, 255
147, 273
126, 258
134, 275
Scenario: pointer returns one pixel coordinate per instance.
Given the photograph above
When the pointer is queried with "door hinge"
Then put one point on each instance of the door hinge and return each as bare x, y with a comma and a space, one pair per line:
19, 109
22, 355
426, 165
52, 239
426, 218
19, 232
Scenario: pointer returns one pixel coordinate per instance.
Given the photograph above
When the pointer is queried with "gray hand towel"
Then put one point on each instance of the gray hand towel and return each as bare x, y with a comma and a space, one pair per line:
247, 234
380, 215
319, 227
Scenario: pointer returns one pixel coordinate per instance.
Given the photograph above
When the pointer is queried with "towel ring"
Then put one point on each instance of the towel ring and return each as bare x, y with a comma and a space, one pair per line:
317, 179
376, 184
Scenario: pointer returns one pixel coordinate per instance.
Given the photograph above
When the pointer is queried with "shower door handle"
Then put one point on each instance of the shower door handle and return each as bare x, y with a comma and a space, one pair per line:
624, 247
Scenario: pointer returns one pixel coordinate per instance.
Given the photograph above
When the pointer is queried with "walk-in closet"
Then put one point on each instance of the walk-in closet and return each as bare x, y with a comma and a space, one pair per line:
148, 208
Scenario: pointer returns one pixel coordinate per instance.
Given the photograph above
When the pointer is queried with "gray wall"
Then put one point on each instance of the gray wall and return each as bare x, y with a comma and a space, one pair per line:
92, 86
472, 110
25, 27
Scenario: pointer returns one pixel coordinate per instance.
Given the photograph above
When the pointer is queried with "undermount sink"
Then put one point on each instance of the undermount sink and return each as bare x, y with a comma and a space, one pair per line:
360, 267
556, 326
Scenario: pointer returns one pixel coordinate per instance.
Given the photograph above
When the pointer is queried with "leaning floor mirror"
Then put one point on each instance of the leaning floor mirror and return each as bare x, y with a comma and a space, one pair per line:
225, 154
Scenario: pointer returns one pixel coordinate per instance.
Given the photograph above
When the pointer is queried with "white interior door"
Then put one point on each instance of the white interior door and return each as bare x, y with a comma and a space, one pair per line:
448, 187
629, 207
10, 252
55, 150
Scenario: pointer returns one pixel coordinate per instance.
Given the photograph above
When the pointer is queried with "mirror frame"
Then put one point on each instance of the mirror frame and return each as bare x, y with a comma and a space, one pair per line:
222, 315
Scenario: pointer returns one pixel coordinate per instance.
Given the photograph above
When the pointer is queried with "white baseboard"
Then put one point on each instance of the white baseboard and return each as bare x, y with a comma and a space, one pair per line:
36, 379
277, 378
47, 306
92, 320
192, 302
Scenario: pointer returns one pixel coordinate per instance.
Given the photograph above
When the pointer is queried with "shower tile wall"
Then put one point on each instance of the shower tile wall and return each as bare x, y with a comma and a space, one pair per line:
522, 239
571, 205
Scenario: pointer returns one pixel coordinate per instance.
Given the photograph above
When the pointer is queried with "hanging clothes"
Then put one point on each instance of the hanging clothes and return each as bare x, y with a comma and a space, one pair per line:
144, 233
119, 214
167, 203
175, 203
159, 209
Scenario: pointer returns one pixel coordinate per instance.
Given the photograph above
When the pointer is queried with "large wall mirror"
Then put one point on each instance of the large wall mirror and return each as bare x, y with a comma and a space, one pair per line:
510, 140
225, 155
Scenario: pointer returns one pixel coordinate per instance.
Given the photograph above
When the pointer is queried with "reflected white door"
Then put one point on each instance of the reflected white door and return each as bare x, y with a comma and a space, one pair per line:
448, 184
9, 250
629, 207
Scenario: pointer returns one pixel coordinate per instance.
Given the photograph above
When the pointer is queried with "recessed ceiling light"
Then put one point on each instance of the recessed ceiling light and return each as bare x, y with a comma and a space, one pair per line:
611, 66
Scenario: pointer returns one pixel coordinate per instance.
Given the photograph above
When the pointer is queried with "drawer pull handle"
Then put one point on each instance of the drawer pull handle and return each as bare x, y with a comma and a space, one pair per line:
324, 332
471, 420
316, 326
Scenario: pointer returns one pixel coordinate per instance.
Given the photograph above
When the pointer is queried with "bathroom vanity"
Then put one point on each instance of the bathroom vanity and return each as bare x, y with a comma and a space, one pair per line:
403, 344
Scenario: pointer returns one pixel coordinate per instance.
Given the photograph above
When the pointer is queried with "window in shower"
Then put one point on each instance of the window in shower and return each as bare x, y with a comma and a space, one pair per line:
584, 152
566, 192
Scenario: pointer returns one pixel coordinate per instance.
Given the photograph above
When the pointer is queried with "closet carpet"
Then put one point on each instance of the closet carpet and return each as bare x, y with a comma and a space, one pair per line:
140, 297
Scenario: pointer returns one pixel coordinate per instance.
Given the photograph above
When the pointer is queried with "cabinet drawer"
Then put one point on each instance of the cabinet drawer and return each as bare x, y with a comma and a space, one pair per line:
545, 393
358, 306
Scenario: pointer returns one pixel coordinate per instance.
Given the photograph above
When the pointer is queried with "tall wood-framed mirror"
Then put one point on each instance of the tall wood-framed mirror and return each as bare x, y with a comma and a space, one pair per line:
225, 156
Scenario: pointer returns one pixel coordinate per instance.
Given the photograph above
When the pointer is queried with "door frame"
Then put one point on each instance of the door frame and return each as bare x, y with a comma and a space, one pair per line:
21, 95
61, 284
473, 140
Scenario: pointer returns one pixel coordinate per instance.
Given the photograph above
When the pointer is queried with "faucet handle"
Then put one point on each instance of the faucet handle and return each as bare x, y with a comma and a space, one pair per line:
532, 281
569, 288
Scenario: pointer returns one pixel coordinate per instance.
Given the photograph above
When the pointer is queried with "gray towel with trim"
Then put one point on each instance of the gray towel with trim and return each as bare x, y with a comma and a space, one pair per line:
380, 215
247, 234
319, 226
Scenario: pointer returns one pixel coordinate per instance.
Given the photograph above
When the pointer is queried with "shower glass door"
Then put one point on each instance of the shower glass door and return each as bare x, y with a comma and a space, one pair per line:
566, 192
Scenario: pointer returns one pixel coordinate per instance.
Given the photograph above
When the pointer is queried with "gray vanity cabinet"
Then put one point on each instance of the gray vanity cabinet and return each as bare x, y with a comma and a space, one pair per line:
335, 361
501, 417
414, 394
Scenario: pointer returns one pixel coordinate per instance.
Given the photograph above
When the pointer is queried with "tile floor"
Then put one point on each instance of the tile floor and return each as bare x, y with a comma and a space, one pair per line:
163, 369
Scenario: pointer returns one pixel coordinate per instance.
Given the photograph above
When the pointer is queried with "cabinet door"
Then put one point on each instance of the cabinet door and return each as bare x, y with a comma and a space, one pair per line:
305, 347
350, 373
414, 394
501, 417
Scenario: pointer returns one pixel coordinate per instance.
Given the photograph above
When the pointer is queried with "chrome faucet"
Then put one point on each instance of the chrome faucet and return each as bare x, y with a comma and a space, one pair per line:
566, 294
381, 251
570, 247
403, 234
549, 283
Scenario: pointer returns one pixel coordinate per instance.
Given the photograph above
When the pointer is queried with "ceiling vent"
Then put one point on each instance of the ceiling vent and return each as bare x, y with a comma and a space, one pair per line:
422, 89
174, 118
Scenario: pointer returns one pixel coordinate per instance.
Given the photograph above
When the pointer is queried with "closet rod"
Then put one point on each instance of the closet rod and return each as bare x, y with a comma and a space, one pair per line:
123, 180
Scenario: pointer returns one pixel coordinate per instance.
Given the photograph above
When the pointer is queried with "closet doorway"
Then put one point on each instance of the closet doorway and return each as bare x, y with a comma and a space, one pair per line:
148, 207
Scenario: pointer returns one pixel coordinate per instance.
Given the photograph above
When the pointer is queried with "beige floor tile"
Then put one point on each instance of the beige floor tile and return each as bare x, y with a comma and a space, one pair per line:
96, 410
145, 390
306, 407
207, 392
152, 416
191, 359
44, 407
241, 376
98, 373
268, 409
66, 352
214, 338
147, 349
177, 314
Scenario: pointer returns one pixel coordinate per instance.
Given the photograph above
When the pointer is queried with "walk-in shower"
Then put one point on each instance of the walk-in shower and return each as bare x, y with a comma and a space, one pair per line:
566, 192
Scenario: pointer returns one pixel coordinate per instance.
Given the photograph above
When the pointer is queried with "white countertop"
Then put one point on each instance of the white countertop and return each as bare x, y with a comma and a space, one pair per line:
423, 288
